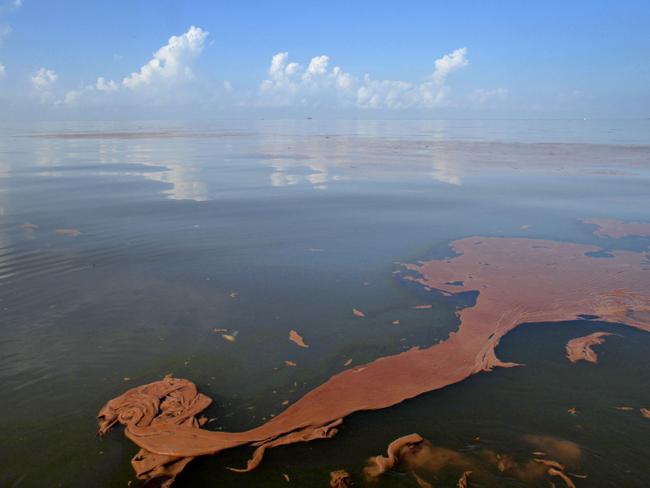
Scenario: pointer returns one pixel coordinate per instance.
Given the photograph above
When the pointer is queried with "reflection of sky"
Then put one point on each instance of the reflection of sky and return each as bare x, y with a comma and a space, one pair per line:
446, 173
320, 160
46, 156
6, 266
205, 164
184, 181
285, 173
183, 178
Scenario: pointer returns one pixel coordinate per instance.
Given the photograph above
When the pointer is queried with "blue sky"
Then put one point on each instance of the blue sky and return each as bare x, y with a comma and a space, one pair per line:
354, 59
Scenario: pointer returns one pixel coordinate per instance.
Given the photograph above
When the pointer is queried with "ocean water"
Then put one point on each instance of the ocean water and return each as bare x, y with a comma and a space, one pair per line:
124, 245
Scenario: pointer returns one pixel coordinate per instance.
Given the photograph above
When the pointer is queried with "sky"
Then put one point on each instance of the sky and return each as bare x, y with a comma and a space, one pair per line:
134, 59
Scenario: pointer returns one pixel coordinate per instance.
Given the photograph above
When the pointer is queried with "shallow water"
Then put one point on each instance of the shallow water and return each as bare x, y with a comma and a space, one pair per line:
300, 221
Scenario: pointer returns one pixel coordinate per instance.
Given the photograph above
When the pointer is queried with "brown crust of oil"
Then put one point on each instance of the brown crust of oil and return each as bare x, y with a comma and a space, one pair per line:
340, 479
378, 465
518, 280
617, 228
581, 348
297, 338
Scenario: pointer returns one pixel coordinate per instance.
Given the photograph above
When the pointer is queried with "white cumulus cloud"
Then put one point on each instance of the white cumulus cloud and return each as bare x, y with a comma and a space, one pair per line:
171, 62
44, 78
43, 82
105, 86
453, 61
399, 94
169, 65
385, 93
167, 79
318, 65
289, 83
91, 93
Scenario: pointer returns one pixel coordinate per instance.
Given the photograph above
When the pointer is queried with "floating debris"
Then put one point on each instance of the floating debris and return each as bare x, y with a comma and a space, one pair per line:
286, 477
290, 363
422, 307
348, 362
358, 313
395, 322
645, 412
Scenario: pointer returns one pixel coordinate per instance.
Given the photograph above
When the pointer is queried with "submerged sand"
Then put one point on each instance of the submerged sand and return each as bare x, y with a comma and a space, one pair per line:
518, 280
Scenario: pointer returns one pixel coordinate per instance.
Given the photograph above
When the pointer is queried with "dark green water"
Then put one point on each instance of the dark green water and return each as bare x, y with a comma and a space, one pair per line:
303, 221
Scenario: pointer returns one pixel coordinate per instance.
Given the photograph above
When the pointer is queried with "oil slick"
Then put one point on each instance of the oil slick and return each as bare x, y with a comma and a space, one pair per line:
567, 283
581, 348
340, 479
68, 232
297, 339
424, 461
618, 229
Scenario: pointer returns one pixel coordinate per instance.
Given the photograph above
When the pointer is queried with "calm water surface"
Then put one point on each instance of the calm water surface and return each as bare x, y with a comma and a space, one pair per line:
172, 230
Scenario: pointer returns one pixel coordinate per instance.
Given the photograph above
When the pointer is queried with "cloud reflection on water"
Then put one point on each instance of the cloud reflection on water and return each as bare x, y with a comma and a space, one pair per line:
206, 164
